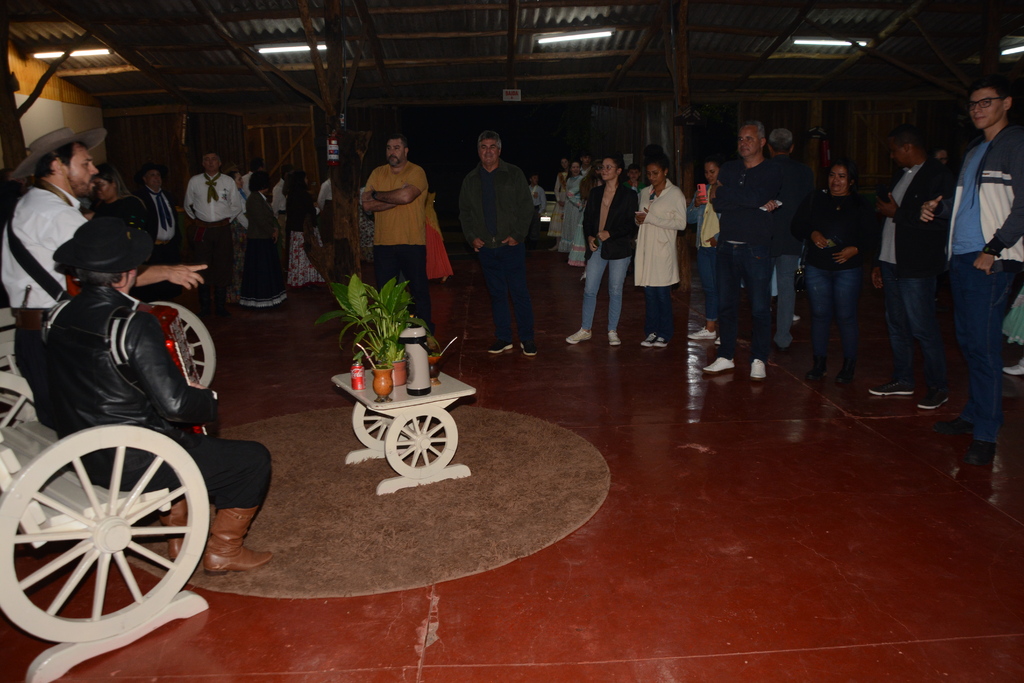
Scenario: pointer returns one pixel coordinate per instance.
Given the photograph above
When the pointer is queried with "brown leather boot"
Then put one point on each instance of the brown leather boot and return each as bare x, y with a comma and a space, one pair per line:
224, 550
176, 516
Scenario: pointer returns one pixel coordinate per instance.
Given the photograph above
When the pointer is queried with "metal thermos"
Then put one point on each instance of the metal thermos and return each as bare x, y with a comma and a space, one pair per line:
418, 367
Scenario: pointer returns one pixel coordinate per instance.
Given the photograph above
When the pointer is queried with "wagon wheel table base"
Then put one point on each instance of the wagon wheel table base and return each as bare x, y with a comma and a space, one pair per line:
416, 434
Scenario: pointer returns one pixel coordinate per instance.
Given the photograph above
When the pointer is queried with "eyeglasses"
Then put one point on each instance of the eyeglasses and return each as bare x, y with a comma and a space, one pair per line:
983, 103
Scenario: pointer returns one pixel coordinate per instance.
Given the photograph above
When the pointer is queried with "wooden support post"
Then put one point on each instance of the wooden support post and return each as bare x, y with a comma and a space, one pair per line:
683, 135
991, 36
11, 137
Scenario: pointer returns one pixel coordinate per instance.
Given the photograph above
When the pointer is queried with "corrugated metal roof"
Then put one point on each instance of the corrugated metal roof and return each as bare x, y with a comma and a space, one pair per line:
443, 53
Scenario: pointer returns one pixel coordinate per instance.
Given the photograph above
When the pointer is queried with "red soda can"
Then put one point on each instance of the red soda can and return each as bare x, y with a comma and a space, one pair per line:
358, 378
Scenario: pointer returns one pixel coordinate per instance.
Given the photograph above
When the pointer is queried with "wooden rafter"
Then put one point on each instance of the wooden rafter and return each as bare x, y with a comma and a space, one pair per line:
242, 52
50, 71
893, 26
782, 38
513, 39
913, 70
314, 54
641, 46
940, 53
363, 12
102, 34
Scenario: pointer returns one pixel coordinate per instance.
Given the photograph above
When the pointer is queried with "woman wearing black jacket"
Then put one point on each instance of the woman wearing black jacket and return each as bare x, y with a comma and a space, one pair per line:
838, 227
609, 225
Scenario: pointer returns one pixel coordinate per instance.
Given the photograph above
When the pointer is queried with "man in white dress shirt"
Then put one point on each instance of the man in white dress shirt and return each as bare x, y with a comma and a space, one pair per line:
212, 200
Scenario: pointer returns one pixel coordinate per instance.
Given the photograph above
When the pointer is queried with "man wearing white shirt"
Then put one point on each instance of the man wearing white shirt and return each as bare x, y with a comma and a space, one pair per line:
278, 200
324, 196
161, 212
46, 217
212, 200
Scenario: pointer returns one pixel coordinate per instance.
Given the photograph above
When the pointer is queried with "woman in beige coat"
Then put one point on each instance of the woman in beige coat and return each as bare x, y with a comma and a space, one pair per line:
662, 214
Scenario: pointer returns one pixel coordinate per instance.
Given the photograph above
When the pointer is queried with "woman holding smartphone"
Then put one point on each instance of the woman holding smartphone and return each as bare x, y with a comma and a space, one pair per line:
609, 225
661, 217
703, 214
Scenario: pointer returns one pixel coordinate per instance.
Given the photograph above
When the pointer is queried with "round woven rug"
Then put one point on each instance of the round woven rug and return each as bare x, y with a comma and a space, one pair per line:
532, 484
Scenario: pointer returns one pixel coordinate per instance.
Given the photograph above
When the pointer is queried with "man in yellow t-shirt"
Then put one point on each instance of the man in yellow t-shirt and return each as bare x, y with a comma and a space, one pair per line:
396, 193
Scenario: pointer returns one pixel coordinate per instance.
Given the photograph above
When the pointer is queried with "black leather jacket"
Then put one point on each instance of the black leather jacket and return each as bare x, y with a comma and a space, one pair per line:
86, 387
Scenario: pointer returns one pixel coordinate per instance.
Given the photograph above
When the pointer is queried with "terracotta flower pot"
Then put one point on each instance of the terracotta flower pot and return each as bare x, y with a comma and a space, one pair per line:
383, 384
400, 374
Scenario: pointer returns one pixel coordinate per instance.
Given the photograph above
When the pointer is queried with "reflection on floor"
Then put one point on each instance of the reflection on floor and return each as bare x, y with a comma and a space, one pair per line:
782, 530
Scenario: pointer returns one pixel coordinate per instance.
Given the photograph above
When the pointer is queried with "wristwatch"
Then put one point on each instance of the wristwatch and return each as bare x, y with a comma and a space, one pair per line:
991, 250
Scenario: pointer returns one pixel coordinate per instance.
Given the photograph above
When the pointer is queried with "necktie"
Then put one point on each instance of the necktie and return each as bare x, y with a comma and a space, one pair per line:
211, 184
162, 210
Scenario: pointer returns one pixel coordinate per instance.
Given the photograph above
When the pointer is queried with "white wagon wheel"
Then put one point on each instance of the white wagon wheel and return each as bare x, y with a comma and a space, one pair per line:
369, 426
66, 599
199, 341
421, 441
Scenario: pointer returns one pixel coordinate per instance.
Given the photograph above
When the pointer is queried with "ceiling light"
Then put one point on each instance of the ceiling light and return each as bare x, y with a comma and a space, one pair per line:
831, 43
575, 36
1013, 50
271, 49
76, 53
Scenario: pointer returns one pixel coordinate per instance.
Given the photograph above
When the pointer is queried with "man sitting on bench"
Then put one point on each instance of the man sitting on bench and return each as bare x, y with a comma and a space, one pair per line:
108, 364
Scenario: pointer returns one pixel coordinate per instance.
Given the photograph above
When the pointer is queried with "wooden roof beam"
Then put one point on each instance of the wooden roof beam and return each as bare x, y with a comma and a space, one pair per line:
50, 71
641, 46
102, 34
314, 54
513, 38
949, 64
893, 26
777, 43
370, 31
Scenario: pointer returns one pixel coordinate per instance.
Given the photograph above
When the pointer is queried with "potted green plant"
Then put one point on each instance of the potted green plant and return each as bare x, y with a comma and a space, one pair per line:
378, 318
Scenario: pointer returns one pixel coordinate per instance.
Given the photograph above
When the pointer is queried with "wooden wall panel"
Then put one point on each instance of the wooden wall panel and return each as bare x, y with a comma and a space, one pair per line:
135, 140
29, 71
282, 138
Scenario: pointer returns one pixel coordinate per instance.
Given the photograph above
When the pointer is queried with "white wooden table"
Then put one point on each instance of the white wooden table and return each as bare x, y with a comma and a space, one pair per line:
416, 434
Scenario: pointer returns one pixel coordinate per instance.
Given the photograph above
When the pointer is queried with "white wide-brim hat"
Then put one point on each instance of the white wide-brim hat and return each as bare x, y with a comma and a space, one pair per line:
53, 141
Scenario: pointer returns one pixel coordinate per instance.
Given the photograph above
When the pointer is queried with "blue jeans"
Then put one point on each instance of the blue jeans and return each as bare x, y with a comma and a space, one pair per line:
834, 294
785, 274
658, 320
910, 315
979, 302
616, 276
707, 258
504, 270
752, 265
410, 260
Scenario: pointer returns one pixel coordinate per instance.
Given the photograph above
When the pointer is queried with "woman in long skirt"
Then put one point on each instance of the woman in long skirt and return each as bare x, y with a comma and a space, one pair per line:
572, 219
1013, 328
555, 225
438, 265
262, 281
300, 208
578, 249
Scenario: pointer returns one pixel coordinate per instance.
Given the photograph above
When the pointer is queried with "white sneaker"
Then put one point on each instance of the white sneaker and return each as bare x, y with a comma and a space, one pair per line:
704, 333
650, 340
796, 318
578, 336
718, 341
1017, 369
660, 343
720, 365
613, 338
757, 370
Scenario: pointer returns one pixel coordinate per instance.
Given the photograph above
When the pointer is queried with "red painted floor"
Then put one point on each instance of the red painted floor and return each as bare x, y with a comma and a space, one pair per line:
776, 531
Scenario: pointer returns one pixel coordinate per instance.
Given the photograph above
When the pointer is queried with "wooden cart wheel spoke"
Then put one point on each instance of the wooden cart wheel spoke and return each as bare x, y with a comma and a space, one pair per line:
199, 341
102, 522
421, 442
370, 427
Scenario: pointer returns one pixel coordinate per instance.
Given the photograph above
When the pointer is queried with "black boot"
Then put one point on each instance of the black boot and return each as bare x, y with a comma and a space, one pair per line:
204, 300
220, 300
818, 371
845, 375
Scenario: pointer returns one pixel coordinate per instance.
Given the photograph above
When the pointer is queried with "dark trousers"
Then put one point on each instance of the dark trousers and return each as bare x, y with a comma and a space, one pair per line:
214, 249
834, 295
236, 473
750, 264
658, 319
409, 260
504, 270
910, 315
979, 304
30, 355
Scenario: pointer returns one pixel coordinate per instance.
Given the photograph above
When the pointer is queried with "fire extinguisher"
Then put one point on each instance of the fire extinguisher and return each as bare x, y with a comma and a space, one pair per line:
825, 153
333, 151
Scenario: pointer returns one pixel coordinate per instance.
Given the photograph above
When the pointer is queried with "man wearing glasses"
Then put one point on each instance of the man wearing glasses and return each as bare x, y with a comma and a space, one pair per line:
987, 222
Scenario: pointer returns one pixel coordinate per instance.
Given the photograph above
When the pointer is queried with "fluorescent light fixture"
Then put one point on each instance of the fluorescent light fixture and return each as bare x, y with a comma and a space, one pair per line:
1013, 50
76, 53
289, 48
575, 36
831, 43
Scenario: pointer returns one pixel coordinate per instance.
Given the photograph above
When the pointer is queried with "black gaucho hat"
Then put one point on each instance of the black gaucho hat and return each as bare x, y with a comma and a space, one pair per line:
105, 245
146, 168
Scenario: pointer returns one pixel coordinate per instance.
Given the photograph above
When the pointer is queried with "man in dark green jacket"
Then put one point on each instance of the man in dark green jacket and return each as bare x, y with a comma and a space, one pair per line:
495, 208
